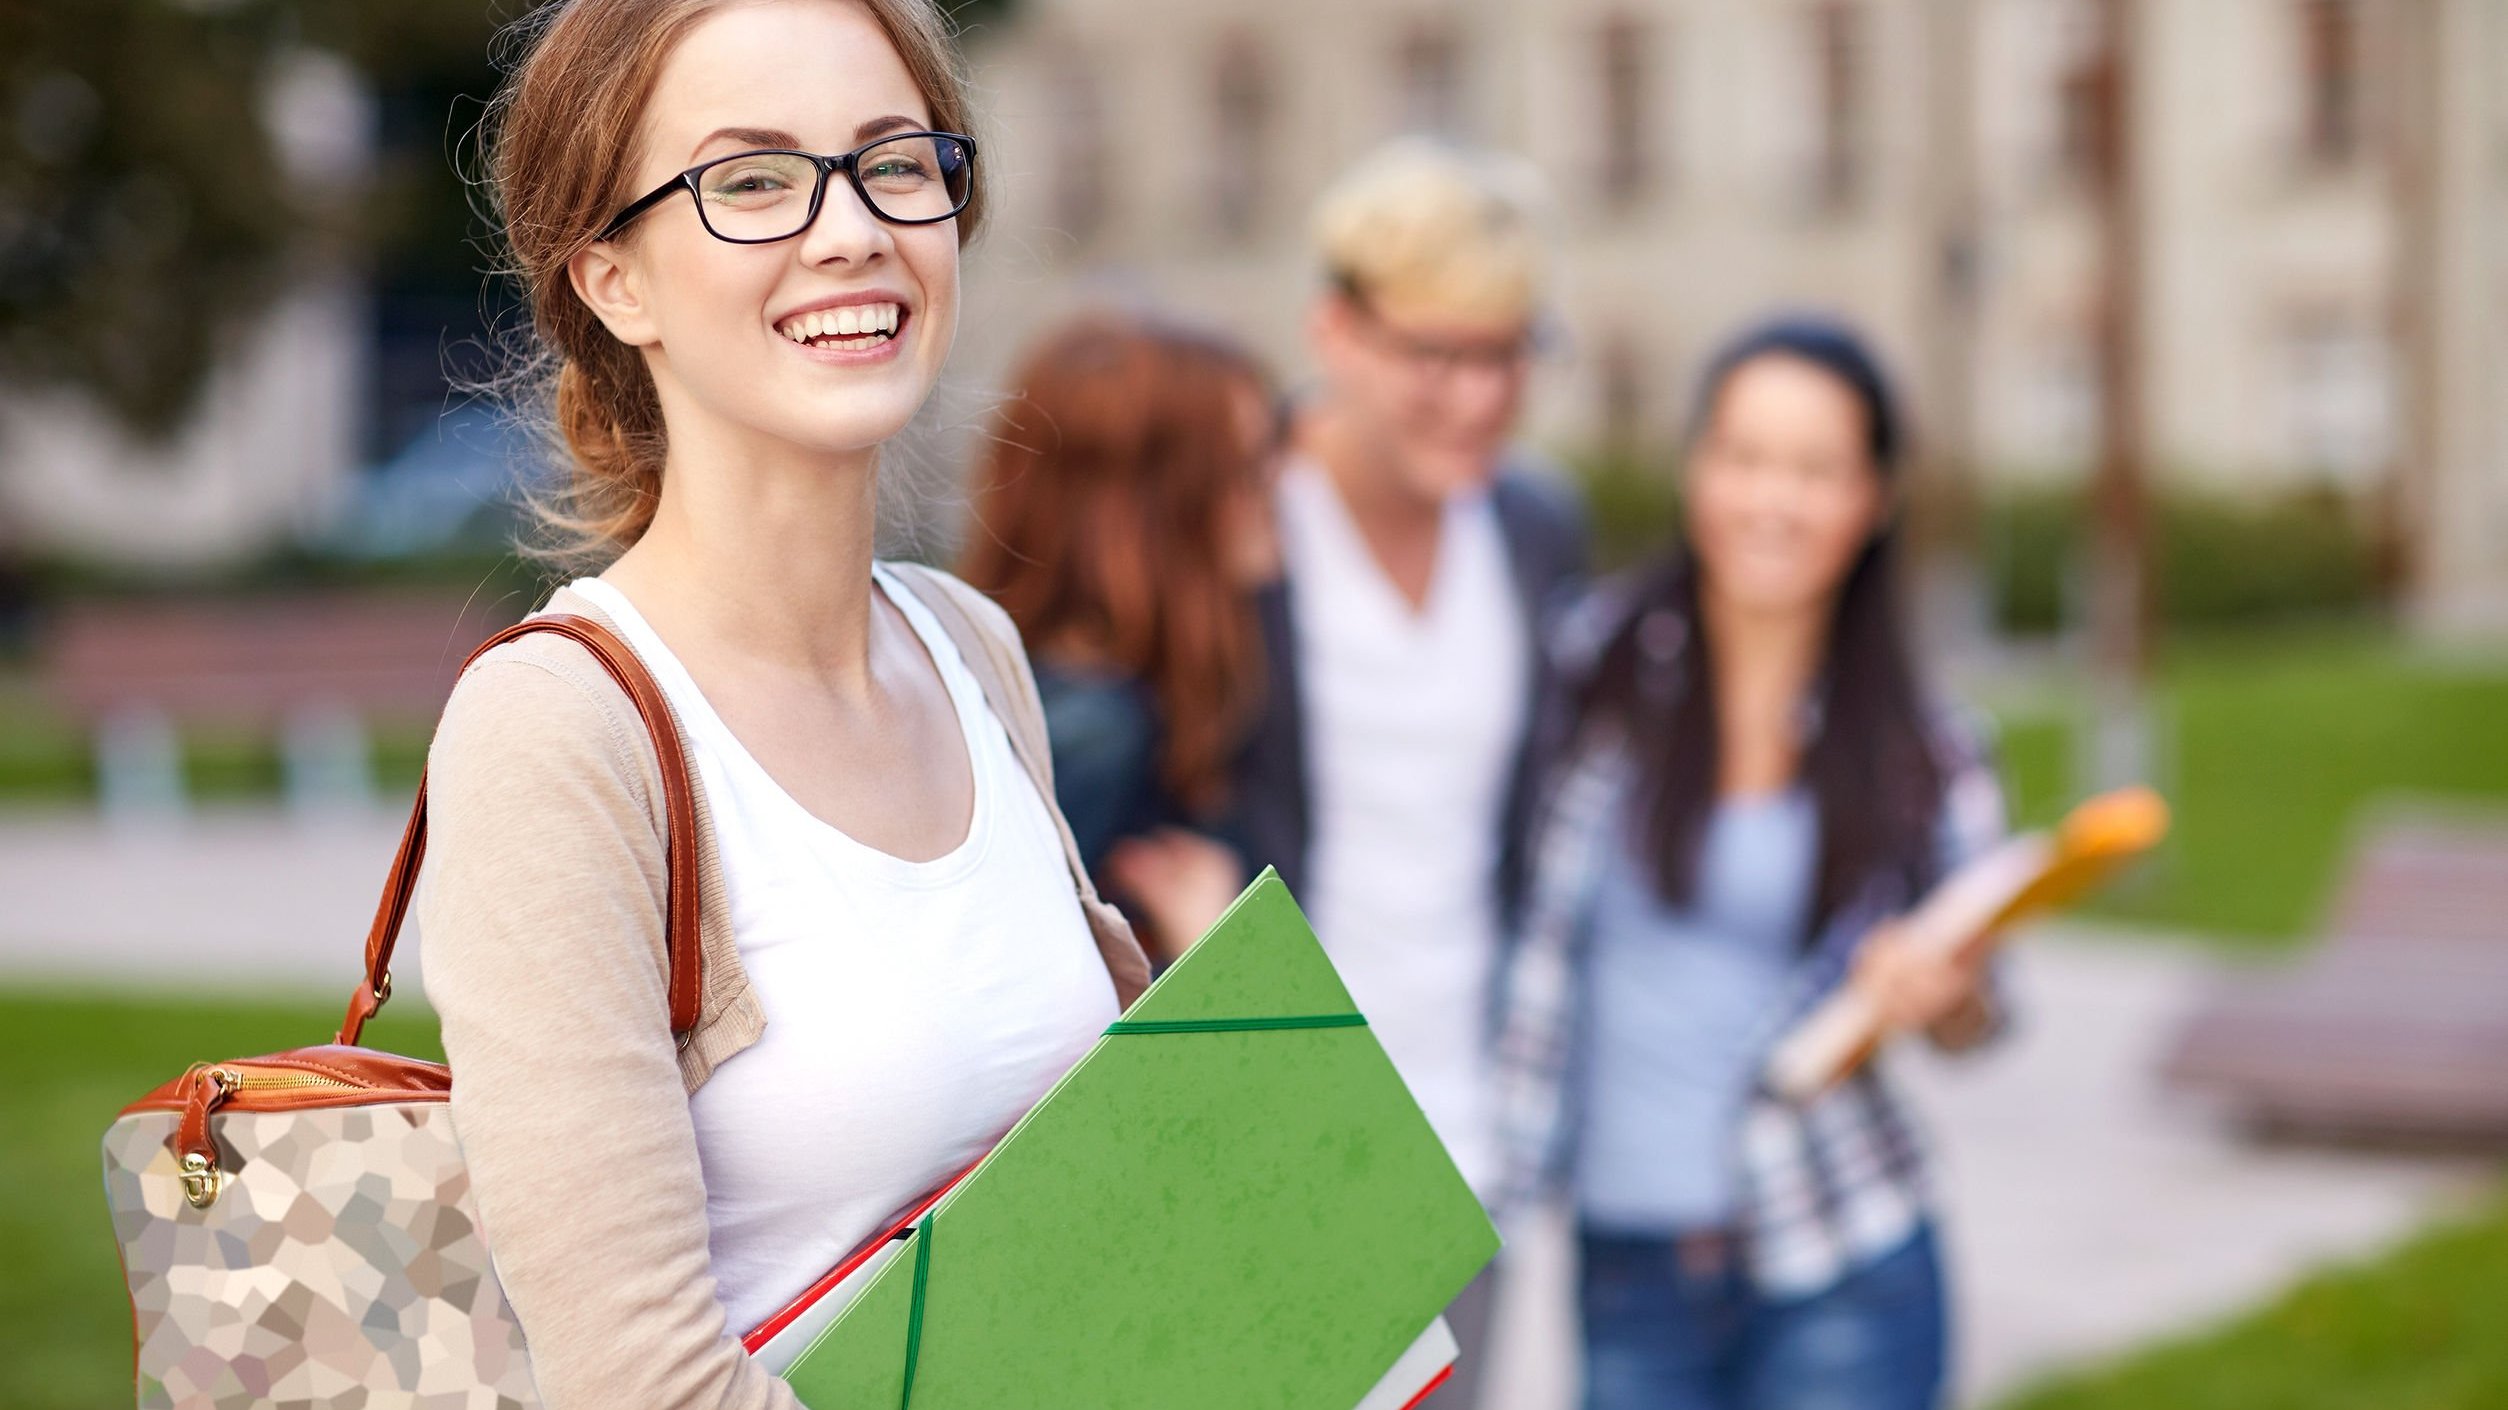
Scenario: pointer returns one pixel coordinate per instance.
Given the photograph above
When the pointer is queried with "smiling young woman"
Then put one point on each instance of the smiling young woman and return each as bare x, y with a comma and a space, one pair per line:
1740, 783
738, 223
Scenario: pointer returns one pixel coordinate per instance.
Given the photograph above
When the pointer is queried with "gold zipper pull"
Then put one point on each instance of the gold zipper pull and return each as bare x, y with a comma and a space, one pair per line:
196, 1151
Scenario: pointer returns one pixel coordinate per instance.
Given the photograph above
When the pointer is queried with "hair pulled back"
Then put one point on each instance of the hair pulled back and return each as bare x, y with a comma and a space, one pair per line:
561, 143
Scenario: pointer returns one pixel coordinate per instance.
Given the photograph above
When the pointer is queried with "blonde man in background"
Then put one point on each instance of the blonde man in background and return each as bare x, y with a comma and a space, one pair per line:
1420, 555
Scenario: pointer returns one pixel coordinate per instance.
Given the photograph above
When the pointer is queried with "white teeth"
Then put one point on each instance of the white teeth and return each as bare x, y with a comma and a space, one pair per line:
862, 323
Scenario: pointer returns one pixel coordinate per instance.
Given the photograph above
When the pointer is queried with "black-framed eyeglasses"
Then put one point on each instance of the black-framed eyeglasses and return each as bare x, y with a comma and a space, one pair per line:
757, 198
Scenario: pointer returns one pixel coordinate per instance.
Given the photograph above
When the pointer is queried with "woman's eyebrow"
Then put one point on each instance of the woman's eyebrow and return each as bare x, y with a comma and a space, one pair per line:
777, 137
750, 136
892, 122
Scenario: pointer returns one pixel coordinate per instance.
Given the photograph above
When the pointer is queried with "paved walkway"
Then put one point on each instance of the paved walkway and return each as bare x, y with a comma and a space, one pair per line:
2090, 1212
226, 899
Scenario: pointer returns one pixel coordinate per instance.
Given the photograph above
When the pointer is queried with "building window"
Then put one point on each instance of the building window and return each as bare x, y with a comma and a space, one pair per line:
1082, 184
2338, 397
1241, 111
2329, 42
2081, 89
1627, 63
1840, 42
1429, 81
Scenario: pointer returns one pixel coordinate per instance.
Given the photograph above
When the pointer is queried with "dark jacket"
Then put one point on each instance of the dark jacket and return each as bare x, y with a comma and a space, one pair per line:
1107, 732
1272, 808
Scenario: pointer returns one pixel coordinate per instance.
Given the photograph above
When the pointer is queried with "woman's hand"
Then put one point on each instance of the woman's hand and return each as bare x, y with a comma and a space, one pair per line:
1914, 987
1180, 880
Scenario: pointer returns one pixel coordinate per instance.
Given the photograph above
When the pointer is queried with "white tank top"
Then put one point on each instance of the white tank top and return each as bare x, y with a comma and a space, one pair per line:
915, 1010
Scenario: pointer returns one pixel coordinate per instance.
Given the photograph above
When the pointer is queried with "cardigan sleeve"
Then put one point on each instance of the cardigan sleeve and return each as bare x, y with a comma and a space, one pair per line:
541, 916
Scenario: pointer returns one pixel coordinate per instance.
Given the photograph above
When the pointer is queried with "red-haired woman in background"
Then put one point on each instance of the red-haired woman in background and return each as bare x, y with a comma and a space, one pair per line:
1122, 517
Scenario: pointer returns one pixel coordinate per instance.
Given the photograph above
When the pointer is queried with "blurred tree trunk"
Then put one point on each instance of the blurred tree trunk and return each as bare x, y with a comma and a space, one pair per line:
2120, 580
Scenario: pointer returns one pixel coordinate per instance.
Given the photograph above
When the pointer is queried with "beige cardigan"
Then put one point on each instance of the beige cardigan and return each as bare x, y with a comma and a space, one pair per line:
541, 913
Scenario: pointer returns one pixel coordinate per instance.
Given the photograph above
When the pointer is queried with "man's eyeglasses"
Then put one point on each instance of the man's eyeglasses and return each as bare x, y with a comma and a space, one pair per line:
1440, 356
757, 198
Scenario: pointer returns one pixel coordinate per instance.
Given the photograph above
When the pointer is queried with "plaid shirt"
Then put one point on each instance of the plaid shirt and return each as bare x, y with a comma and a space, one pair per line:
1827, 1185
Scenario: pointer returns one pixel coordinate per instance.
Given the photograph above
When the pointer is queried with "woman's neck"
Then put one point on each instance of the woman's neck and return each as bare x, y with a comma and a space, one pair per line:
765, 552
1765, 663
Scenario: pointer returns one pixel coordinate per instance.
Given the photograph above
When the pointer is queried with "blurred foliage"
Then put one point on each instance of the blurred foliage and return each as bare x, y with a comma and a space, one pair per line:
1632, 502
73, 1061
145, 211
138, 216
2221, 561
2416, 1329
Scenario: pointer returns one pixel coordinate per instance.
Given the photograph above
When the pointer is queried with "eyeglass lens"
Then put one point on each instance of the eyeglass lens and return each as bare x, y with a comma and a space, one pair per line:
766, 195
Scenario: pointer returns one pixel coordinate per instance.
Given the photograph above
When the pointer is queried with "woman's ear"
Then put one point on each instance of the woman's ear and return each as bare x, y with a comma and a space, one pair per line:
606, 278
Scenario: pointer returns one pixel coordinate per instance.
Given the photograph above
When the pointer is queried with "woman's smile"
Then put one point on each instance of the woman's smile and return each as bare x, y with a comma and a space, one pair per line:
851, 332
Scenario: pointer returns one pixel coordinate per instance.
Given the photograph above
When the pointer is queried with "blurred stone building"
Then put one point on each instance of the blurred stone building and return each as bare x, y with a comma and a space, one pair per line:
2323, 211
2322, 214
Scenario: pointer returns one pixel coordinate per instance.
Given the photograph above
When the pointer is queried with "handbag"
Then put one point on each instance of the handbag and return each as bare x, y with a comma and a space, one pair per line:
298, 1227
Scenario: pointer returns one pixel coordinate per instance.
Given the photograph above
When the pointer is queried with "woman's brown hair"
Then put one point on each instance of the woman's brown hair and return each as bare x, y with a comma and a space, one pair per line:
1118, 469
561, 147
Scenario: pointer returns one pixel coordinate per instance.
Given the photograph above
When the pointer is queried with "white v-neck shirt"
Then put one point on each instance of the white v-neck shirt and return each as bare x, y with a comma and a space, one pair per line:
1413, 720
915, 1010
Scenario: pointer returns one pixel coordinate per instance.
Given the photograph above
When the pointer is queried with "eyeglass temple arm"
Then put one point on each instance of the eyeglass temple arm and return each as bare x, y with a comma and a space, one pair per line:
646, 202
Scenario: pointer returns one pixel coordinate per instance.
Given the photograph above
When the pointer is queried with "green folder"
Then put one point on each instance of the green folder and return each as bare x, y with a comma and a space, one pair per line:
1231, 1201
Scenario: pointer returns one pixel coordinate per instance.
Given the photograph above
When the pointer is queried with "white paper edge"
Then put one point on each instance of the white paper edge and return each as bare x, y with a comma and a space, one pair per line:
1414, 1369
1431, 1353
786, 1346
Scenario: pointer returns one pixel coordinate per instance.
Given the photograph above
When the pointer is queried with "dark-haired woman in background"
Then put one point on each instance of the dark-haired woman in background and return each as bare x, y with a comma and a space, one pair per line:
1743, 784
1122, 517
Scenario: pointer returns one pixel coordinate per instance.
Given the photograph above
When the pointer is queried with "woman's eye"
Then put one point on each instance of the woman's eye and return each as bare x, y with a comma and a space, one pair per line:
896, 169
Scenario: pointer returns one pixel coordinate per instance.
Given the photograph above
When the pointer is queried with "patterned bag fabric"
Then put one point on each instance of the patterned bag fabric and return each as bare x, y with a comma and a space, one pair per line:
297, 1228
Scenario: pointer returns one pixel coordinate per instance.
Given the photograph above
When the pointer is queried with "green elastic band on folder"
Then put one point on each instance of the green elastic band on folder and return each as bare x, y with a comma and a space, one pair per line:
922, 1231
1235, 1025
914, 1309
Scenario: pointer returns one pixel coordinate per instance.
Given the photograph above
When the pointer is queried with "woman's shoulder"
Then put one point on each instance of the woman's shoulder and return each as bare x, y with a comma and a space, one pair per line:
1964, 738
1600, 612
939, 587
537, 706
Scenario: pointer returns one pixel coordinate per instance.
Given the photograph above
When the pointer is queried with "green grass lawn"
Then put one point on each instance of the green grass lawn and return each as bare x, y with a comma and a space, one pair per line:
73, 1061
2275, 747
2422, 1328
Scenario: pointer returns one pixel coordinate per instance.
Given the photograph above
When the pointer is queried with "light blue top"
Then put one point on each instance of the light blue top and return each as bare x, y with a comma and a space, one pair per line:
1683, 1004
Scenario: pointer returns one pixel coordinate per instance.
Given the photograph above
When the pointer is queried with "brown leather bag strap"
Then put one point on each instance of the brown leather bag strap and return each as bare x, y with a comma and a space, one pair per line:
679, 810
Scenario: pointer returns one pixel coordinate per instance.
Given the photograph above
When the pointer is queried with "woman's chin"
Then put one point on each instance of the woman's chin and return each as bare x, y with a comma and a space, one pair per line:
854, 418
1771, 595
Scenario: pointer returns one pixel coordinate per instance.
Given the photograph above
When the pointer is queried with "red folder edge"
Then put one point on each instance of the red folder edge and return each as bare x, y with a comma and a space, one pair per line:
765, 1331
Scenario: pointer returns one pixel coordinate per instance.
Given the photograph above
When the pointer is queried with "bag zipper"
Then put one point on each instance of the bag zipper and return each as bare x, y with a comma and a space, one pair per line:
232, 1078
196, 1152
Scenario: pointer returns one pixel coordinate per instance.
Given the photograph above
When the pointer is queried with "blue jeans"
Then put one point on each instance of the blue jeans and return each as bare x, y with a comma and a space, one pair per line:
1659, 1336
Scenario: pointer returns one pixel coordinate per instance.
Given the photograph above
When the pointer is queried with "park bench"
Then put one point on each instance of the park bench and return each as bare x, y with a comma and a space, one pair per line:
2396, 1027
317, 673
